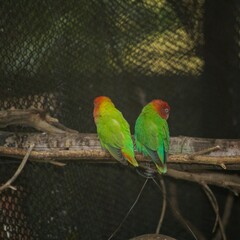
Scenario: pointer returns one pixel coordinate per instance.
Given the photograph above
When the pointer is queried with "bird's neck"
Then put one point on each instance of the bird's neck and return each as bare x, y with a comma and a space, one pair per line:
101, 109
150, 109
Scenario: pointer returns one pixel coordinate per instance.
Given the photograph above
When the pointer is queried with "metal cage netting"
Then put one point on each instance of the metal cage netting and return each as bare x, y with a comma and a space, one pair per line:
59, 55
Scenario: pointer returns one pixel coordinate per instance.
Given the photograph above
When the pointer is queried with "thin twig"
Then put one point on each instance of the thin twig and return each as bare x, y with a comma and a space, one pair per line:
214, 204
129, 211
229, 181
226, 214
56, 163
19, 170
205, 151
164, 205
180, 217
182, 144
177, 213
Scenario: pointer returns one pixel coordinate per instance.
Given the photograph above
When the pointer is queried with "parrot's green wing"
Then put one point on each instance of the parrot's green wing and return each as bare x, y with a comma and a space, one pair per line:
112, 129
166, 136
152, 138
116, 153
111, 137
114, 134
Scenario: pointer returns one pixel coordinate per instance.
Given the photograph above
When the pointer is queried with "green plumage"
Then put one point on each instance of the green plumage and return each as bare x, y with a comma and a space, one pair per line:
152, 136
114, 133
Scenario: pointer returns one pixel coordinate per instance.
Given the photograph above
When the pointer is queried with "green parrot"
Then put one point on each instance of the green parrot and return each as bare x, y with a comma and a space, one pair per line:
113, 131
152, 133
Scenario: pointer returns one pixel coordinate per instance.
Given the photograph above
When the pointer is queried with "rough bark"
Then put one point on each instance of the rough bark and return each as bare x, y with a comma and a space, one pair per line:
186, 151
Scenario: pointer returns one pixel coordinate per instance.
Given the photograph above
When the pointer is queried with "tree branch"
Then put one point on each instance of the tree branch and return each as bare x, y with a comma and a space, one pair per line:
35, 118
229, 181
19, 170
214, 153
164, 205
180, 217
183, 150
226, 214
86, 147
214, 204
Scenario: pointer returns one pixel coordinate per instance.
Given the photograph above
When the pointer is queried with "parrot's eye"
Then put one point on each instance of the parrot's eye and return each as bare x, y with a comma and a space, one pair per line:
166, 110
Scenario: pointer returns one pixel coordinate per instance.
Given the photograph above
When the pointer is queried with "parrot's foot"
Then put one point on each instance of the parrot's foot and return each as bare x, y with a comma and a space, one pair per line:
146, 172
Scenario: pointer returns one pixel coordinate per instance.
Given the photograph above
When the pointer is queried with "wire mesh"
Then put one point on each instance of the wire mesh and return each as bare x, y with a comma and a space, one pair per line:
59, 55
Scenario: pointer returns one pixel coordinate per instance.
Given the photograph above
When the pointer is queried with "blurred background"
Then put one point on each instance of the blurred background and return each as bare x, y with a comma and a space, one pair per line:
60, 55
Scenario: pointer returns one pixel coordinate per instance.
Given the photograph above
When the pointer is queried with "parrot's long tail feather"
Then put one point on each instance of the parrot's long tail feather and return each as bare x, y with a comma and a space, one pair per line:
130, 159
159, 161
161, 168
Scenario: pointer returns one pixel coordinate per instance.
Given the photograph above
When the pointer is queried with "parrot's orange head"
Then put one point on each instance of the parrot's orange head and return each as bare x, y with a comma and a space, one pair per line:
99, 105
162, 108
101, 99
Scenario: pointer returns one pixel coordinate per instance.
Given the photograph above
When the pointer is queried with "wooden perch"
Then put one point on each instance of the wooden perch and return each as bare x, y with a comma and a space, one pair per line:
72, 146
35, 118
86, 147
67, 144
60, 143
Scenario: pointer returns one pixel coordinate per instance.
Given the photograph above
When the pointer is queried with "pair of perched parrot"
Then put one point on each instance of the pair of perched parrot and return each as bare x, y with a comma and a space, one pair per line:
151, 132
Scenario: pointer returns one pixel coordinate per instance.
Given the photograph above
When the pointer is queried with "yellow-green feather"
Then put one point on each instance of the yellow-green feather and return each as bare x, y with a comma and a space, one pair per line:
114, 133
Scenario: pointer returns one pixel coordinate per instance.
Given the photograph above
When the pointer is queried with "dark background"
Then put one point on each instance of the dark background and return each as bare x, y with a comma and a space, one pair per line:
60, 55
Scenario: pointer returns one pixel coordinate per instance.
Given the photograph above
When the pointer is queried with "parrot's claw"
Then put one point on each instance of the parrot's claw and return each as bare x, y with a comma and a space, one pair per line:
146, 172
